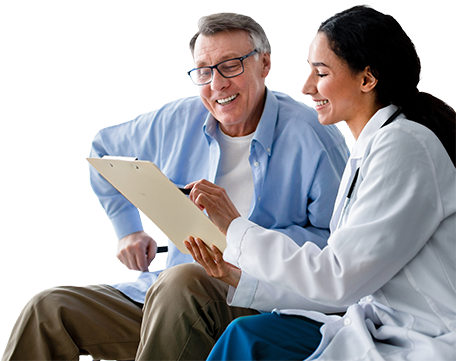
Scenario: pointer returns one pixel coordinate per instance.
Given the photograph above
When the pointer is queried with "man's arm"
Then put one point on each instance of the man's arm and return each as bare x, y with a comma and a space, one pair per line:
323, 172
136, 249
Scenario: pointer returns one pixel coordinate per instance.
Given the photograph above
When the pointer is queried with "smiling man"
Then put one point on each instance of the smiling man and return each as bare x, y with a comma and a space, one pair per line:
260, 149
237, 102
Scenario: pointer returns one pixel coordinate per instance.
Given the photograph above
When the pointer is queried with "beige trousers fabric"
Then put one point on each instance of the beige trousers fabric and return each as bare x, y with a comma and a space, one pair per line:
64, 322
184, 314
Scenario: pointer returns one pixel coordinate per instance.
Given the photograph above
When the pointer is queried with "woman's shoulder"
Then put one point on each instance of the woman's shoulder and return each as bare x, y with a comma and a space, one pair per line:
405, 141
404, 133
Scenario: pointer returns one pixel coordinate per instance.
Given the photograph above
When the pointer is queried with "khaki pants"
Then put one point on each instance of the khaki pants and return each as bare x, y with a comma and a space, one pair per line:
185, 312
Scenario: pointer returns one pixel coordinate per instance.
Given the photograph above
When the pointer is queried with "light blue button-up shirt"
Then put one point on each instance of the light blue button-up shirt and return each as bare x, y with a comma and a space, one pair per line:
296, 165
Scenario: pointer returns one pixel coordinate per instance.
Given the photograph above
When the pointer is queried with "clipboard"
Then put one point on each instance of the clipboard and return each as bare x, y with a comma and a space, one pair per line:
146, 187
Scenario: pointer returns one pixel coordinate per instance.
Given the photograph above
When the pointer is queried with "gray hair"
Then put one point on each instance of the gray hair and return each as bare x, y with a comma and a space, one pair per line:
215, 23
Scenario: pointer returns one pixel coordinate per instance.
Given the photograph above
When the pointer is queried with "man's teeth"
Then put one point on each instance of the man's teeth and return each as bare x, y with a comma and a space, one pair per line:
226, 100
322, 102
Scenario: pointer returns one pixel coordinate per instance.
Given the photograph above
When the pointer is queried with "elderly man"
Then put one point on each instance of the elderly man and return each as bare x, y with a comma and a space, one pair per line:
264, 151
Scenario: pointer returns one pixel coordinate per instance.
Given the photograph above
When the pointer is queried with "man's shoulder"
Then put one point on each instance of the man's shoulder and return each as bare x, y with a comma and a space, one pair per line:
291, 109
186, 114
297, 117
295, 114
185, 102
179, 112
193, 104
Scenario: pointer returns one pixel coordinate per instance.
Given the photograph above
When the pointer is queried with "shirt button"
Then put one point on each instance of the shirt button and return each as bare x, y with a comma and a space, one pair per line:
347, 322
369, 299
256, 164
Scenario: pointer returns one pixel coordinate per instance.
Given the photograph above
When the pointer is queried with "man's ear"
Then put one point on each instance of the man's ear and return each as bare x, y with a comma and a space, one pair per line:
266, 58
369, 80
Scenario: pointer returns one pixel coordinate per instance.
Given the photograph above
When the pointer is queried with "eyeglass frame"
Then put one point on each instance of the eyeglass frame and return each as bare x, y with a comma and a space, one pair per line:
242, 58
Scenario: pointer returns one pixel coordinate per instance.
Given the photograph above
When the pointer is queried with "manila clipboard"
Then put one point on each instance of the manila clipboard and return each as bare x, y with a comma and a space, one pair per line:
145, 186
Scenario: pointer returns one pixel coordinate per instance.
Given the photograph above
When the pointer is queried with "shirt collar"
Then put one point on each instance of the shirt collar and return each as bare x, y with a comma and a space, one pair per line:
372, 126
264, 134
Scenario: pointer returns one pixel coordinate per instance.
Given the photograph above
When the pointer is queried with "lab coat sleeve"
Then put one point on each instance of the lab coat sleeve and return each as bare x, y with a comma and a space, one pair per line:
129, 139
395, 209
262, 296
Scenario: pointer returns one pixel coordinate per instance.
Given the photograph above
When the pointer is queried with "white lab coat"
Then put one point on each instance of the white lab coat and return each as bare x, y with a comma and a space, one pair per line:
391, 256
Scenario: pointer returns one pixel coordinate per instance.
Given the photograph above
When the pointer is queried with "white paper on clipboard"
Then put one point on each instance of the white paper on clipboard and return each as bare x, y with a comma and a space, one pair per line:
145, 186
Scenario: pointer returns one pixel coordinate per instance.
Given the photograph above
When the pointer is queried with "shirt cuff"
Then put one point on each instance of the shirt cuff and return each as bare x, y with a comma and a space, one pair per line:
126, 222
234, 237
244, 293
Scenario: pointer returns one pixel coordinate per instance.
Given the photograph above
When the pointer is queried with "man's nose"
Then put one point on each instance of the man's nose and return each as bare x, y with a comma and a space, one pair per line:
218, 81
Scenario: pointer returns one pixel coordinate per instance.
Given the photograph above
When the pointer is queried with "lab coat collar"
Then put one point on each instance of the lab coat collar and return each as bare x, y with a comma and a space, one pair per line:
264, 134
374, 124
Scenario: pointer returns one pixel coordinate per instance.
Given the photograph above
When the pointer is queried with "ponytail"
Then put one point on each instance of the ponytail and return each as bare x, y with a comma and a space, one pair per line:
436, 115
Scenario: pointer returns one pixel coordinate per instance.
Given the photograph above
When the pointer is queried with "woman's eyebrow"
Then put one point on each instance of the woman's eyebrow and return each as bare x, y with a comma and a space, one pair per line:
318, 63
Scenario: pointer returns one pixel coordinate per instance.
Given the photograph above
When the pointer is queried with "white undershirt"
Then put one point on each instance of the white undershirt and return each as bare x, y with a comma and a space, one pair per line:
234, 172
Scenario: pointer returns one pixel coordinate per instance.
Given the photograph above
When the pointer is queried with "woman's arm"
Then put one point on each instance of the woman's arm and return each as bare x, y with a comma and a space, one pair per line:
395, 210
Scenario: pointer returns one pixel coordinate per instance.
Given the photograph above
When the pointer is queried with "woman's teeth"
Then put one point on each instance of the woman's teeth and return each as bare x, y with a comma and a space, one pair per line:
226, 100
322, 102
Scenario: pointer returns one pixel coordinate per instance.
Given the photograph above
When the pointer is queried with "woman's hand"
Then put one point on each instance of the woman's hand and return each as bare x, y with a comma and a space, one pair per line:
213, 261
215, 201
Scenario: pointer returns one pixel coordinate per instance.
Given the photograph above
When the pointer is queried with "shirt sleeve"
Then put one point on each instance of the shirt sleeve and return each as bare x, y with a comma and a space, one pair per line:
390, 219
130, 140
324, 179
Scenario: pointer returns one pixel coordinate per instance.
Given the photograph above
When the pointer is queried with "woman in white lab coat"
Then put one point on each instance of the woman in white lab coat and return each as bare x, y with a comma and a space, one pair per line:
391, 257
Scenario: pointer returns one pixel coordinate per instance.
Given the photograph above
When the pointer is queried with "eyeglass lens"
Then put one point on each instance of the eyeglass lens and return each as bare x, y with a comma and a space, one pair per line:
228, 69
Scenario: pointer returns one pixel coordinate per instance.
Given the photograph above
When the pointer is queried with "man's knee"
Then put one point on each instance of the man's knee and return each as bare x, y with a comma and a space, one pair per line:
186, 279
45, 308
47, 300
184, 273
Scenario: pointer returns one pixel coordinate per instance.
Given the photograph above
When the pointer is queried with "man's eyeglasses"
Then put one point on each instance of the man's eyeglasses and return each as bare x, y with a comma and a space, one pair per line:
228, 69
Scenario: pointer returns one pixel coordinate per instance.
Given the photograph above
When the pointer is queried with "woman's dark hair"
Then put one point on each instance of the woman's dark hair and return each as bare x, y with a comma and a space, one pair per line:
363, 37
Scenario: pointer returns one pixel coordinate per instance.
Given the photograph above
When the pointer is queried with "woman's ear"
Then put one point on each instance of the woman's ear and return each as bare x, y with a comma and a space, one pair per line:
369, 80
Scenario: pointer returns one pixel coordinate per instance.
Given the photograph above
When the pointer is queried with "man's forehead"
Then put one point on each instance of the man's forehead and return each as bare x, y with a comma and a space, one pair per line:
221, 46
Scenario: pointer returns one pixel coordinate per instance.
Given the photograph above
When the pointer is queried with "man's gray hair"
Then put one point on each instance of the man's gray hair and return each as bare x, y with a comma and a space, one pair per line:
215, 23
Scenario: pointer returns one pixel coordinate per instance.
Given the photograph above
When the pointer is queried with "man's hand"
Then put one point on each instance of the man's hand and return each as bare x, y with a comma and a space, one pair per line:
213, 263
215, 200
136, 251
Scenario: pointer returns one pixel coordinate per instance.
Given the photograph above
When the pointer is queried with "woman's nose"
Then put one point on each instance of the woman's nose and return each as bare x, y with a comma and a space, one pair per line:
309, 87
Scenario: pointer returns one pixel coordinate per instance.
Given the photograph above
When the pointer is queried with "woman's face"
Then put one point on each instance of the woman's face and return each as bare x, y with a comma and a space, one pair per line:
337, 92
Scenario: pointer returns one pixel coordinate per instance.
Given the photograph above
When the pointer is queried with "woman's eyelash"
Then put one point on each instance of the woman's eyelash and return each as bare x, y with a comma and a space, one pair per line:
322, 75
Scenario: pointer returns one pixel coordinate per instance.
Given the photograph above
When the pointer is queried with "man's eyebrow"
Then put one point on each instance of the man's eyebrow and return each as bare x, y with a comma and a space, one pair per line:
203, 63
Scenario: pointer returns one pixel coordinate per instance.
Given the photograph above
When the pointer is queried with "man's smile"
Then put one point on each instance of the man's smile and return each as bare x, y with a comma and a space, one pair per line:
227, 100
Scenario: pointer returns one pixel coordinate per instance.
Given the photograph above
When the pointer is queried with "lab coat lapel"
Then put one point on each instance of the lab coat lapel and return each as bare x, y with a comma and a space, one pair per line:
347, 179
355, 160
